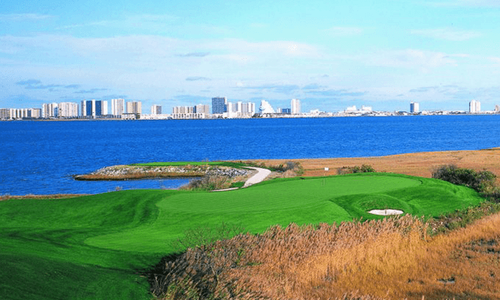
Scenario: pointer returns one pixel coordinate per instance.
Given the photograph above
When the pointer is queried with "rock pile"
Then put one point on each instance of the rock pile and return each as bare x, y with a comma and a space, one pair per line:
136, 172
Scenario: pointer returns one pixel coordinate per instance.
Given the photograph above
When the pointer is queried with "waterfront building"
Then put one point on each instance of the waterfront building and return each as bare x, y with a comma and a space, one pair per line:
68, 110
4, 113
366, 109
266, 108
474, 107
497, 108
117, 107
156, 109
49, 110
414, 107
20, 113
286, 111
202, 109
189, 112
295, 104
219, 105
94, 108
134, 107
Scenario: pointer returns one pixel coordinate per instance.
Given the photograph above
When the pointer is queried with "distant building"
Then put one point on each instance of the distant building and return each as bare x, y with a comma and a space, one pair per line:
94, 108
117, 107
189, 112
20, 113
49, 110
286, 111
219, 105
134, 107
265, 108
4, 113
68, 110
295, 103
414, 107
202, 109
497, 108
474, 107
351, 109
156, 109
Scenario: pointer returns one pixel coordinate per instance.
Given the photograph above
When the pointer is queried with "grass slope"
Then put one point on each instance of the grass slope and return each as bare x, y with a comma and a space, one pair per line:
92, 247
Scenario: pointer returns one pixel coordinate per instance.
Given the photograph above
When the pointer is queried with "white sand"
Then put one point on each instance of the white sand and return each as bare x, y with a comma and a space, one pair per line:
385, 212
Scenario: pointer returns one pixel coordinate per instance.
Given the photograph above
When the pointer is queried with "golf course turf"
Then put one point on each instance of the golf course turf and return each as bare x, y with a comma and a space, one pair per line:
94, 247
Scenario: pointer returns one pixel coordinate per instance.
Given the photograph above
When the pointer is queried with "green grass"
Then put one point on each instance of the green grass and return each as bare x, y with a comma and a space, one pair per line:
93, 247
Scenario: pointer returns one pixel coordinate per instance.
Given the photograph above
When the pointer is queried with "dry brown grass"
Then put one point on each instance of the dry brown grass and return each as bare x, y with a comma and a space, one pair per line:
415, 164
388, 259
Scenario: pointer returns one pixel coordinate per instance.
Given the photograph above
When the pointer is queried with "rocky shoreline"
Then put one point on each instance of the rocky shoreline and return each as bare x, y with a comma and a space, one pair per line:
125, 172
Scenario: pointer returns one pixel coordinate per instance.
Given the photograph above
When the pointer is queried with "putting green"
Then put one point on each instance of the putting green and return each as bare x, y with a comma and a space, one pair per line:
310, 200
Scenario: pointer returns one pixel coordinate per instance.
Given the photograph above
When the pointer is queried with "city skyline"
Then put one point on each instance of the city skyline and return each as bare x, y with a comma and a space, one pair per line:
440, 53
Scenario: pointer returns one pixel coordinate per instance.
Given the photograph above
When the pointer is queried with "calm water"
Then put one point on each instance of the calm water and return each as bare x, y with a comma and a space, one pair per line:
40, 157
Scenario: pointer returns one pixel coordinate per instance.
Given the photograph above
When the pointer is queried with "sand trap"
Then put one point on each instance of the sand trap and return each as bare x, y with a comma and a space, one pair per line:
385, 212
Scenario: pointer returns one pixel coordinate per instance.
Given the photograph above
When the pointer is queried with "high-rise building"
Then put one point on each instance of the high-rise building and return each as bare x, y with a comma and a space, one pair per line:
474, 107
202, 109
414, 107
49, 110
117, 107
94, 108
134, 107
497, 108
295, 106
155, 109
219, 105
68, 110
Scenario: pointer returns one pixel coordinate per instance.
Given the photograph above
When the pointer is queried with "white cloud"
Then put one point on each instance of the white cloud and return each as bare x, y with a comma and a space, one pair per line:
411, 58
494, 59
449, 34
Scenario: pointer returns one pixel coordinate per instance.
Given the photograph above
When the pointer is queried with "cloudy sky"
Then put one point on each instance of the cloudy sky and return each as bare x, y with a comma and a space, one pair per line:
330, 54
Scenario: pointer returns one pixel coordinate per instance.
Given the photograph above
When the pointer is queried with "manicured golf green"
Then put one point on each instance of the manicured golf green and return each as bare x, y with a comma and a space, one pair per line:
94, 247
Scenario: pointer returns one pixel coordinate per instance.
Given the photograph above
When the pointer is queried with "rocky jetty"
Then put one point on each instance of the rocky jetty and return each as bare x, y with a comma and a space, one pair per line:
125, 172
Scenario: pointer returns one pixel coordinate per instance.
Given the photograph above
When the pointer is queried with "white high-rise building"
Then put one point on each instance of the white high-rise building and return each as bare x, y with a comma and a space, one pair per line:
155, 109
117, 107
134, 107
49, 110
414, 107
295, 106
474, 107
202, 109
68, 110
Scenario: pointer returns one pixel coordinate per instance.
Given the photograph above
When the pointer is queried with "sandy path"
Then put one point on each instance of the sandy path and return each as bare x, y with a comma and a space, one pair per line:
260, 176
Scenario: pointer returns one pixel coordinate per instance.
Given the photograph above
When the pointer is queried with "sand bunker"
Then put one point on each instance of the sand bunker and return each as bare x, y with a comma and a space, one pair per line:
385, 212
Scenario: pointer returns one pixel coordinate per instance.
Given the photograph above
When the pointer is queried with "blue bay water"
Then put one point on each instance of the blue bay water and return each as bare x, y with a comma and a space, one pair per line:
40, 157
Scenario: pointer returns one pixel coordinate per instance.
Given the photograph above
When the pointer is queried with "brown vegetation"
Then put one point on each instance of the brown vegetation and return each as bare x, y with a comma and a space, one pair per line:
386, 259
415, 164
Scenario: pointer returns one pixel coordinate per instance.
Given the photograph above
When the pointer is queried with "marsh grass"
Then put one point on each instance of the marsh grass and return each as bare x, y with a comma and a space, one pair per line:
393, 258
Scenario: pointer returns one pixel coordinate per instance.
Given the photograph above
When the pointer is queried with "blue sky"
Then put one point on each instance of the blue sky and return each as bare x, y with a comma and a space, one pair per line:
329, 54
